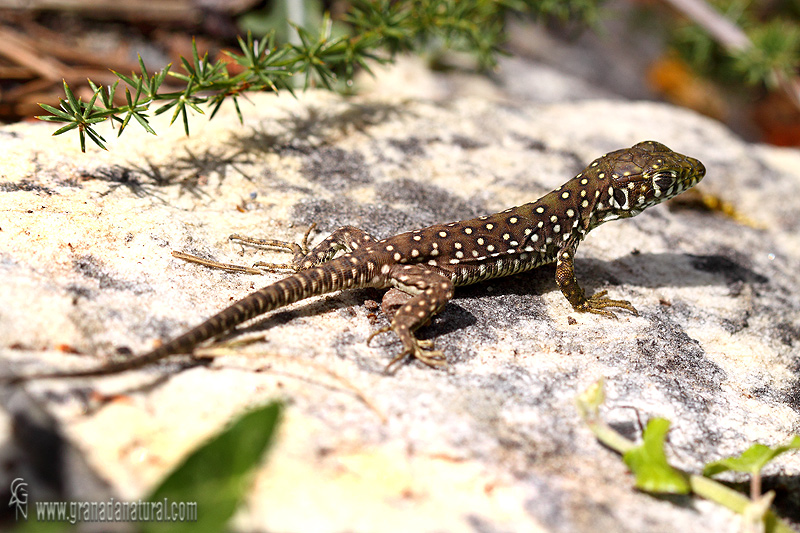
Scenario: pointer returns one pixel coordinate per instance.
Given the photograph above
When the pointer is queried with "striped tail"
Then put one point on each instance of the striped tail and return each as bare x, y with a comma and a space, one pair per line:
328, 277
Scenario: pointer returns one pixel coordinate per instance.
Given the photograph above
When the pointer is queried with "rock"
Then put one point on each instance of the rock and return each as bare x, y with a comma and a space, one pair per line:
494, 443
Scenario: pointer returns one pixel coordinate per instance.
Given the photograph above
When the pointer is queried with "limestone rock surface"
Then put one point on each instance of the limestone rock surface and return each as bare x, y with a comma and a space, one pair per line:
492, 443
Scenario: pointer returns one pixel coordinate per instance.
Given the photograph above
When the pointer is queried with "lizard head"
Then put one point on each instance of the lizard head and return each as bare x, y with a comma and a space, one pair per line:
636, 178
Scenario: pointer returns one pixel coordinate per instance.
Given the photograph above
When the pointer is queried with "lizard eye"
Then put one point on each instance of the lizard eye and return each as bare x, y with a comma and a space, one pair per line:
663, 180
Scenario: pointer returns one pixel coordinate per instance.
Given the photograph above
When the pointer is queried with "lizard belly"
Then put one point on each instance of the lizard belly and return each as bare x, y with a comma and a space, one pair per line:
506, 265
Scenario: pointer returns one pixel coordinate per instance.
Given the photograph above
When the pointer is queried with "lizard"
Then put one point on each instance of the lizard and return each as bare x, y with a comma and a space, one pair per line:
429, 263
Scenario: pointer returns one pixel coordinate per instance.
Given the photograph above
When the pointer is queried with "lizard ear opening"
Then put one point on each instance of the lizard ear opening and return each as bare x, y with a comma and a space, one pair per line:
664, 180
620, 198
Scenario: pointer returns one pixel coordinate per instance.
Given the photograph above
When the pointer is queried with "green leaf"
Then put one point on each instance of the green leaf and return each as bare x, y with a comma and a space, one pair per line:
74, 103
58, 114
196, 57
166, 107
196, 108
238, 111
90, 106
128, 114
185, 120
64, 129
157, 80
189, 68
218, 474
141, 119
752, 460
142, 68
649, 463
108, 95
95, 137
130, 81
180, 76
96, 119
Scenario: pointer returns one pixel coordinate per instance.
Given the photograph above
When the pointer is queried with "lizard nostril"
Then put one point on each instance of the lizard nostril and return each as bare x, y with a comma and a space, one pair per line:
698, 167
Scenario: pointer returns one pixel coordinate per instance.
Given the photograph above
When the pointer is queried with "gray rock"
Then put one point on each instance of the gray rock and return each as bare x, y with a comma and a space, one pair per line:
494, 443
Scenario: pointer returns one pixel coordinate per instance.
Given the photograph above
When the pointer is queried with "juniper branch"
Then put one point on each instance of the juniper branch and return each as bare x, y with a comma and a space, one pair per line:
379, 30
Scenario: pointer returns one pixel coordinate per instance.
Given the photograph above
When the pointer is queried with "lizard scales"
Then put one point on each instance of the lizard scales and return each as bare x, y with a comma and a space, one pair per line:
428, 263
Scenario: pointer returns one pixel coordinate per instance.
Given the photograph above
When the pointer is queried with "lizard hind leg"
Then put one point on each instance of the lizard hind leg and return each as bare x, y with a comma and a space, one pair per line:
431, 291
347, 238
299, 250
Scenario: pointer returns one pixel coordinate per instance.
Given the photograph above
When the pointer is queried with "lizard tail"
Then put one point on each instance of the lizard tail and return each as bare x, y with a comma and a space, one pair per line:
325, 278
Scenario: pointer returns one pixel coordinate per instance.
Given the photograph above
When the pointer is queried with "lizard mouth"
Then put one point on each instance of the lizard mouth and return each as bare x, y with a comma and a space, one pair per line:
698, 170
694, 173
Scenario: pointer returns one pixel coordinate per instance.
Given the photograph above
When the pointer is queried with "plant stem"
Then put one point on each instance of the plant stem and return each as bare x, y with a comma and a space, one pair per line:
702, 486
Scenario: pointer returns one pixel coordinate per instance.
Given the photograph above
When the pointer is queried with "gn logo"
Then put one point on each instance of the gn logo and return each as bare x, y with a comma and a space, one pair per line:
19, 497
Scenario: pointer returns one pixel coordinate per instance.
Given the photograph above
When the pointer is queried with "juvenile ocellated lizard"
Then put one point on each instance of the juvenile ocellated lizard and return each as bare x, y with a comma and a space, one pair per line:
429, 263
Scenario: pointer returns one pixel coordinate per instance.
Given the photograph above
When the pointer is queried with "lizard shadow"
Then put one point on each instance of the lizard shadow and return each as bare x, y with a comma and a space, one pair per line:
453, 318
668, 270
324, 304
510, 298
642, 270
522, 293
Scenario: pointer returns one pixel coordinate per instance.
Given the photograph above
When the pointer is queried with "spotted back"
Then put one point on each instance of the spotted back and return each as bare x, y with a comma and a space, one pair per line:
619, 184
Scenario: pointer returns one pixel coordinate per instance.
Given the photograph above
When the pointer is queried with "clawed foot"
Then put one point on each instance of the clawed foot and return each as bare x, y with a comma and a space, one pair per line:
598, 303
378, 332
420, 349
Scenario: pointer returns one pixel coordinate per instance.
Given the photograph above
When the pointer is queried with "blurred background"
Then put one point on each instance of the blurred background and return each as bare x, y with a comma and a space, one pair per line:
731, 60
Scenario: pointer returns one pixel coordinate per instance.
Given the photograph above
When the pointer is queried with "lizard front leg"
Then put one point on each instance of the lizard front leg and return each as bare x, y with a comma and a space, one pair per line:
430, 290
597, 303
